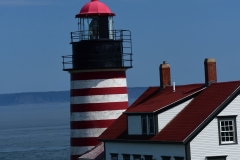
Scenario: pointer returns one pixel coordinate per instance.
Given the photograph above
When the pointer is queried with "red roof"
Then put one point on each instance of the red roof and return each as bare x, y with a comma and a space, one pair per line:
95, 8
153, 100
203, 108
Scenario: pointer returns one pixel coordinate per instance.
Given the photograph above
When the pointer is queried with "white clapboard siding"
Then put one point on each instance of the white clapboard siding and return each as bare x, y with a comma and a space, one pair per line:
156, 150
165, 117
134, 125
206, 143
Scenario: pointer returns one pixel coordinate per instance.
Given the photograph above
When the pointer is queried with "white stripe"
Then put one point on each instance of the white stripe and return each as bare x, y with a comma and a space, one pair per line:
97, 115
93, 132
99, 98
99, 83
80, 150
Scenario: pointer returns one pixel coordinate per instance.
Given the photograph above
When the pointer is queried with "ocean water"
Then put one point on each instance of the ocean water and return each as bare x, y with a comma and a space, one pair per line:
35, 132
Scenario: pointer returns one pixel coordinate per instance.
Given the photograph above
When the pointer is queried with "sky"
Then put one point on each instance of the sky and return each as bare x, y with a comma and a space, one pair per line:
34, 34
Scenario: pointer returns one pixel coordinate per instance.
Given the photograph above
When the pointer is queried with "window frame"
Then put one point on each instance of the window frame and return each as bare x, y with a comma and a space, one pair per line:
216, 157
114, 155
166, 157
126, 156
227, 118
137, 156
178, 158
148, 156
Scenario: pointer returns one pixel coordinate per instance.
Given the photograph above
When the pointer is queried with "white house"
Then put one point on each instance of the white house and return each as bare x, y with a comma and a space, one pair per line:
188, 122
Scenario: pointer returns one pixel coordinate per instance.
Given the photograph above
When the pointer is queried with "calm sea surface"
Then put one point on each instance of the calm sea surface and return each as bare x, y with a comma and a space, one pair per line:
37, 132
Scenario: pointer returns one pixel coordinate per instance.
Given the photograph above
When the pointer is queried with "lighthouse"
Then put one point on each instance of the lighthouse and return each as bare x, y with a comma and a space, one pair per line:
97, 66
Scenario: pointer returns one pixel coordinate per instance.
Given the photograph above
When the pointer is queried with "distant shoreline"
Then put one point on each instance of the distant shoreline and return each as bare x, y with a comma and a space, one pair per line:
52, 97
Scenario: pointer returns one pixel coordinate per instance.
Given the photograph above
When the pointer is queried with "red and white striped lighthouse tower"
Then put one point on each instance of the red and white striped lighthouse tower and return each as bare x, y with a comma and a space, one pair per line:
99, 60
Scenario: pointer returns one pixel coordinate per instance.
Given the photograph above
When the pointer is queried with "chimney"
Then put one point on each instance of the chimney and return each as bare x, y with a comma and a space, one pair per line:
210, 71
165, 78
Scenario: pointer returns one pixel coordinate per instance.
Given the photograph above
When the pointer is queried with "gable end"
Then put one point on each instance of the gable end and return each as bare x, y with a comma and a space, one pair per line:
212, 116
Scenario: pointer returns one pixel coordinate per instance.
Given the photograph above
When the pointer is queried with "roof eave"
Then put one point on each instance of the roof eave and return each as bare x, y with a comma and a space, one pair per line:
80, 15
139, 141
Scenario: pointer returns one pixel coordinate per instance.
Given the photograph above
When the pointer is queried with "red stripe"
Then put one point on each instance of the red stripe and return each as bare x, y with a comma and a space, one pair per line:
74, 157
98, 75
91, 124
98, 91
84, 141
98, 106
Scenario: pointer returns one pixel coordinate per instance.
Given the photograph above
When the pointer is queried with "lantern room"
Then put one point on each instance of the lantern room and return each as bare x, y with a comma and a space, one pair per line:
95, 21
96, 44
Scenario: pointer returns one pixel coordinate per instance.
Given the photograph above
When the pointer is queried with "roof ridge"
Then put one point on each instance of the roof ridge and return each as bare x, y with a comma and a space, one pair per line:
176, 102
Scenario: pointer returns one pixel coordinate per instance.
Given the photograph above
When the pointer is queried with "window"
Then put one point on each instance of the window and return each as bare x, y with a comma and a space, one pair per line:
144, 125
166, 157
151, 125
148, 125
136, 157
148, 157
227, 130
126, 156
179, 158
114, 156
217, 158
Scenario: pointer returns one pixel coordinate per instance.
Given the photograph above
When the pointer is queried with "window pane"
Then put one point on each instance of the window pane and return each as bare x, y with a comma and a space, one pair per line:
144, 125
226, 123
223, 139
126, 157
166, 158
148, 157
223, 128
151, 125
114, 157
222, 123
136, 157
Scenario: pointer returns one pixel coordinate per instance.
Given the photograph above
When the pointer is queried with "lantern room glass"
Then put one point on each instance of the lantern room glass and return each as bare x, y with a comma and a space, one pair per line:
90, 27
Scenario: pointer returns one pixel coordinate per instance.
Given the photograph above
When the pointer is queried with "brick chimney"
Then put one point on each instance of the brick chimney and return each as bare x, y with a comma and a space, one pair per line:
210, 71
165, 77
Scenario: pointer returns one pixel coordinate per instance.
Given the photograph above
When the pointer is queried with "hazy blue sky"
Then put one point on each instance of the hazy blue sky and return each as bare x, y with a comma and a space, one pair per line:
34, 34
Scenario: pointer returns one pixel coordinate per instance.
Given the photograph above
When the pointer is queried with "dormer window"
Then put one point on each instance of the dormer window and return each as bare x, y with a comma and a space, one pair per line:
151, 125
148, 126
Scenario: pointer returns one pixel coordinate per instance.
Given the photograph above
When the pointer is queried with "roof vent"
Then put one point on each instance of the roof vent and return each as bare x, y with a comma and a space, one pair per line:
174, 87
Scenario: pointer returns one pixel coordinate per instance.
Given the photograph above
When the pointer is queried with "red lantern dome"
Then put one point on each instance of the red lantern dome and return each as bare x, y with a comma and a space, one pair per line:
95, 8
